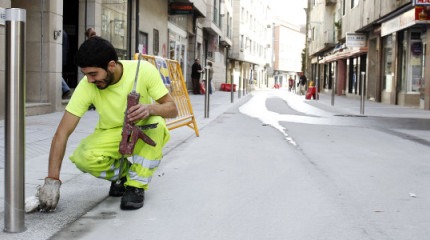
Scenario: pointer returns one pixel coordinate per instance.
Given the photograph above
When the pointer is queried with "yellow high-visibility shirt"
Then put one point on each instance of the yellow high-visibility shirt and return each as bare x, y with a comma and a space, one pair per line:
111, 102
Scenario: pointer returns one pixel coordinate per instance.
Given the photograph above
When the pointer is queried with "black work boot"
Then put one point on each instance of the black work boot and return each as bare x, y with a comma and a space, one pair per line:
133, 198
117, 190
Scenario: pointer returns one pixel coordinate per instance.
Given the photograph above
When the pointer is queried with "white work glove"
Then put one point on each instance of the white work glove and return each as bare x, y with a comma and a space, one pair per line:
49, 194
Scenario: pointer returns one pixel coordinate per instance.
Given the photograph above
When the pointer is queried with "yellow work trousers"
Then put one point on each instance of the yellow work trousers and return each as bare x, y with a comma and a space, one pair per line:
98, 154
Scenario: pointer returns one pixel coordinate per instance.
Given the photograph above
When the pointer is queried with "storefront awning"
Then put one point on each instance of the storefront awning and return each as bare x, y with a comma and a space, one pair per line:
345, 53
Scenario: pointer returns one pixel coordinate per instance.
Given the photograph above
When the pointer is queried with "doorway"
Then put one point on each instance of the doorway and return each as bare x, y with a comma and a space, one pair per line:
70, 46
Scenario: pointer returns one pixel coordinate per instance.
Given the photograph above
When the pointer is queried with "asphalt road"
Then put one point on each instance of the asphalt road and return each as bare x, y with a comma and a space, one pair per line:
275, 170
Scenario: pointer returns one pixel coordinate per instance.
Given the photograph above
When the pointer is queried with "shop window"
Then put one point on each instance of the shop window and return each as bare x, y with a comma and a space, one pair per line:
416, 50
354, 76
332, 74
422, 82
387, 64
363, 60
326, 74
402, 58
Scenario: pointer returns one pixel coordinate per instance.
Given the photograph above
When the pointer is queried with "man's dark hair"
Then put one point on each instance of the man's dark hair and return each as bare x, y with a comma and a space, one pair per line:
96, 52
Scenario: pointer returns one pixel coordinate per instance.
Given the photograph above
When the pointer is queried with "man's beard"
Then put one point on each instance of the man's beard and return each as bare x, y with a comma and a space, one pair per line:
108, 80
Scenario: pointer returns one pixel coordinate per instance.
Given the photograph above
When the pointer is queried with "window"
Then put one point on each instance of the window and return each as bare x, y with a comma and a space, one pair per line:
354, 3
228, 25
313, 33
241, 42
343, 7
220, 12
155, 47
231, 27
215, 12
143, 42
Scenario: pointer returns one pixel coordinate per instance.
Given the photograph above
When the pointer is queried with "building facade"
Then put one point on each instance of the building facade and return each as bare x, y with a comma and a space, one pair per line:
252, 33
159, 28
379, 44
289, 43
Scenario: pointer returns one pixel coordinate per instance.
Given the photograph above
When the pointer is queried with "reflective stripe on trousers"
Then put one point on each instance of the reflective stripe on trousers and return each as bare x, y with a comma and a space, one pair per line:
143, 166
98, 154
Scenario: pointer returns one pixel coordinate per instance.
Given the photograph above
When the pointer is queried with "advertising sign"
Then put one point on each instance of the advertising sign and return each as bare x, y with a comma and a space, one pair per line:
181, 8
398, 23
422, 14
421, 2
355, 40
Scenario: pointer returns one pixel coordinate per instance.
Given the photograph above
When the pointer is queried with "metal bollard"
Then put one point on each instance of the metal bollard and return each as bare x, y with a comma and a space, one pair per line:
14, 121
232, 85
316, 89
207, 93
240, 86
333, 87
362, 93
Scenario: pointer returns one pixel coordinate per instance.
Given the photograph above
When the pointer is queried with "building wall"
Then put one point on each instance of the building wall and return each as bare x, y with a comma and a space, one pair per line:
366, 13
290, 43
154, 17
43, 56
321, 27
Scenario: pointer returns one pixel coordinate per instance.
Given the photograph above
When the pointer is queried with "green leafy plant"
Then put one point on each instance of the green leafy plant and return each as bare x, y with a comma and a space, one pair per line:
338, 24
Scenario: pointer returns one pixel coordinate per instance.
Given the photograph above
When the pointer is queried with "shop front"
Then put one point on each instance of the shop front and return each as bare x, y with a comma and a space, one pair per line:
403, 59
344, 70
178, 43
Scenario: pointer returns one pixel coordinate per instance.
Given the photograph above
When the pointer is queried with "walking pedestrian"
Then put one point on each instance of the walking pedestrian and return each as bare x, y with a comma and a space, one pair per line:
196, 70
290, 83
211, 75
106, 84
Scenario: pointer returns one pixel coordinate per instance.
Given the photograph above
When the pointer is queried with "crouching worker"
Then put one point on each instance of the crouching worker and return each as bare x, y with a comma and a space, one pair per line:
106, 84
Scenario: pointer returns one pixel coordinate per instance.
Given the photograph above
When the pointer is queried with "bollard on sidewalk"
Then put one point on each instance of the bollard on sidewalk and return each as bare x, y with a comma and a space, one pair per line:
14, 121
207, 93
363, 74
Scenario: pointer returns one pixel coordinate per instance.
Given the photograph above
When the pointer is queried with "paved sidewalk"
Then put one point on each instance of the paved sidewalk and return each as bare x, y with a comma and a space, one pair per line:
81, 192
351, 105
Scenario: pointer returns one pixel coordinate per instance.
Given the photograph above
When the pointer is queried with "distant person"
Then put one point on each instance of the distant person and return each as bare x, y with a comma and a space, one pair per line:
196, 70
290, 84
302, 84
90, 32
211, 75
64, 87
